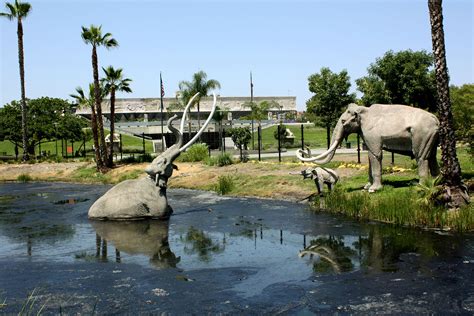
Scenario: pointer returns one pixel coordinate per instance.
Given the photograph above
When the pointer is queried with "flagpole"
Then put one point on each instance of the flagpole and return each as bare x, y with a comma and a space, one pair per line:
161, 110
251, 104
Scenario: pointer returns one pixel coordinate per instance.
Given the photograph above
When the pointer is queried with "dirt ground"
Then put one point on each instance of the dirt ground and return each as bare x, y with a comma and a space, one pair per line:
275, 176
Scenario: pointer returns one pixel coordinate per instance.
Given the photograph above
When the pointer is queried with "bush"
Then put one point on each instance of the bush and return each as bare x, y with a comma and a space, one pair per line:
24, 178
224, 159
138, 159
197, 152
225, 184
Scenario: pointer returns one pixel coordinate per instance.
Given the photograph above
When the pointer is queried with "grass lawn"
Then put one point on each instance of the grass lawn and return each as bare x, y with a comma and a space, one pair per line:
130, 144
314, 137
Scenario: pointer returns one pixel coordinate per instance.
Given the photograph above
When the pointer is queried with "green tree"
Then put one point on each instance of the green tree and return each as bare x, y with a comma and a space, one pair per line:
50, 118
462, 101
94, 37
404, 77
455, 192
114, 82
199, 83
259, 111
331, 95
241, 137
84, 100
18, 11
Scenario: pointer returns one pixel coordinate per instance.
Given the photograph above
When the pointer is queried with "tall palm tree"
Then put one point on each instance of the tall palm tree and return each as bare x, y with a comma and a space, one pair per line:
19, 10
455, 192
84, 100
113, 82
200, 84
93, 35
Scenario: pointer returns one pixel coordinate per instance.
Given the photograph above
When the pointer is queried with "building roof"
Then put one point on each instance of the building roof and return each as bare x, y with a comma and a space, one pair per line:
152, 105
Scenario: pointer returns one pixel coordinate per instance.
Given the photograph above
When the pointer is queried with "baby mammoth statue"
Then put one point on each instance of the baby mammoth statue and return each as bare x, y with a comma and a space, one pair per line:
321, 176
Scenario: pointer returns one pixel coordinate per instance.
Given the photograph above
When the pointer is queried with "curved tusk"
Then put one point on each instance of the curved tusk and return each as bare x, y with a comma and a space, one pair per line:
186, 109
326, 156
213, 110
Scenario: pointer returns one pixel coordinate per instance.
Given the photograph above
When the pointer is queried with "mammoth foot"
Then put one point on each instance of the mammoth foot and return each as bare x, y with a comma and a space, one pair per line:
371, 188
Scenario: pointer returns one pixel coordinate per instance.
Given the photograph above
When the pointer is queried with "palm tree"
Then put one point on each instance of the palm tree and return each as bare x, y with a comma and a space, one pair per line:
93, 36
113, 82
220, 116
19, 10
200, 84
89, 100
455, 191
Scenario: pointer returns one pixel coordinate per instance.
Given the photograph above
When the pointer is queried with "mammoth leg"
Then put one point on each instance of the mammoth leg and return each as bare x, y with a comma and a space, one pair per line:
371, 178
424, 146
376, 171
319, 187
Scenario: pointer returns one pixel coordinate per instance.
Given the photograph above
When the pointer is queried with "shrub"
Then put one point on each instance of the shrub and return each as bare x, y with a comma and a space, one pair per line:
224, 159
24, 178
225, 184
197, 152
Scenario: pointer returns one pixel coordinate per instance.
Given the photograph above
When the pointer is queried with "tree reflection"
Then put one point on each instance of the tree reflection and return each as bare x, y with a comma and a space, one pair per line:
201, 244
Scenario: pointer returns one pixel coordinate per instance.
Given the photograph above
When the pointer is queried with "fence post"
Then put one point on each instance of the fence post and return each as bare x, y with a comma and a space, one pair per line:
302, 137
84, 155
223, 139
393, 158
65, 143
259, 141
358, 148
39, 148
143, 141
120, 147
72, 147
279, 143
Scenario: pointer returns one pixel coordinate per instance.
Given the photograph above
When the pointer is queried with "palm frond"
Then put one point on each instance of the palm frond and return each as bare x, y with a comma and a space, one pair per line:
24, 9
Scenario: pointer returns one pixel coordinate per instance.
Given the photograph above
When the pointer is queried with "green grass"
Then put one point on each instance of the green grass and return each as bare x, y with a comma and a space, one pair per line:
225, 184
24, 178
90, 174
314, 137
400, 206
130, 144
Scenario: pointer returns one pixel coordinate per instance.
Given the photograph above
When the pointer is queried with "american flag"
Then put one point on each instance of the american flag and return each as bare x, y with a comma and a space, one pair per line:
162, 88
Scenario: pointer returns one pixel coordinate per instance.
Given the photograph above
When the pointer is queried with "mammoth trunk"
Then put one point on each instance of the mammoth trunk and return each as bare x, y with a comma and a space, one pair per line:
336, 139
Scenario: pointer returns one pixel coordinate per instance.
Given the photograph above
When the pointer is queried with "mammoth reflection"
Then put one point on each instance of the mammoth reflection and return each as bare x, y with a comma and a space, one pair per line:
149, 238
382, 249
331, 254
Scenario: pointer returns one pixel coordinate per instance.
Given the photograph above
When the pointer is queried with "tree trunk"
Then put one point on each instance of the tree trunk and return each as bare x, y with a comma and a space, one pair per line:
455, 192
98, 110
24, 108
110, 159
95, 137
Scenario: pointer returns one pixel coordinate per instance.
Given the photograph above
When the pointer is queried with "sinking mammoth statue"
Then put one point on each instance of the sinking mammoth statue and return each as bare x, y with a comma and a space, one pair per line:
146, 198
396, 128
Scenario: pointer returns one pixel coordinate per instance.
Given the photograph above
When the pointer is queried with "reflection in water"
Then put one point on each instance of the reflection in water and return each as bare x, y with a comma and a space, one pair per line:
202, 244
149, 238
381, 250
331, 255
71, 201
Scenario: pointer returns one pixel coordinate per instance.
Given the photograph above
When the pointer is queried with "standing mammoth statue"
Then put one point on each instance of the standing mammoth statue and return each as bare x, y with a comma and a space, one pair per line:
396, 128
146, 198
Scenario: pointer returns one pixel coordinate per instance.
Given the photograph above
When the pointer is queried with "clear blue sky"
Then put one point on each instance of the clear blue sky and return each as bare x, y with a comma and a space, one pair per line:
281, 42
